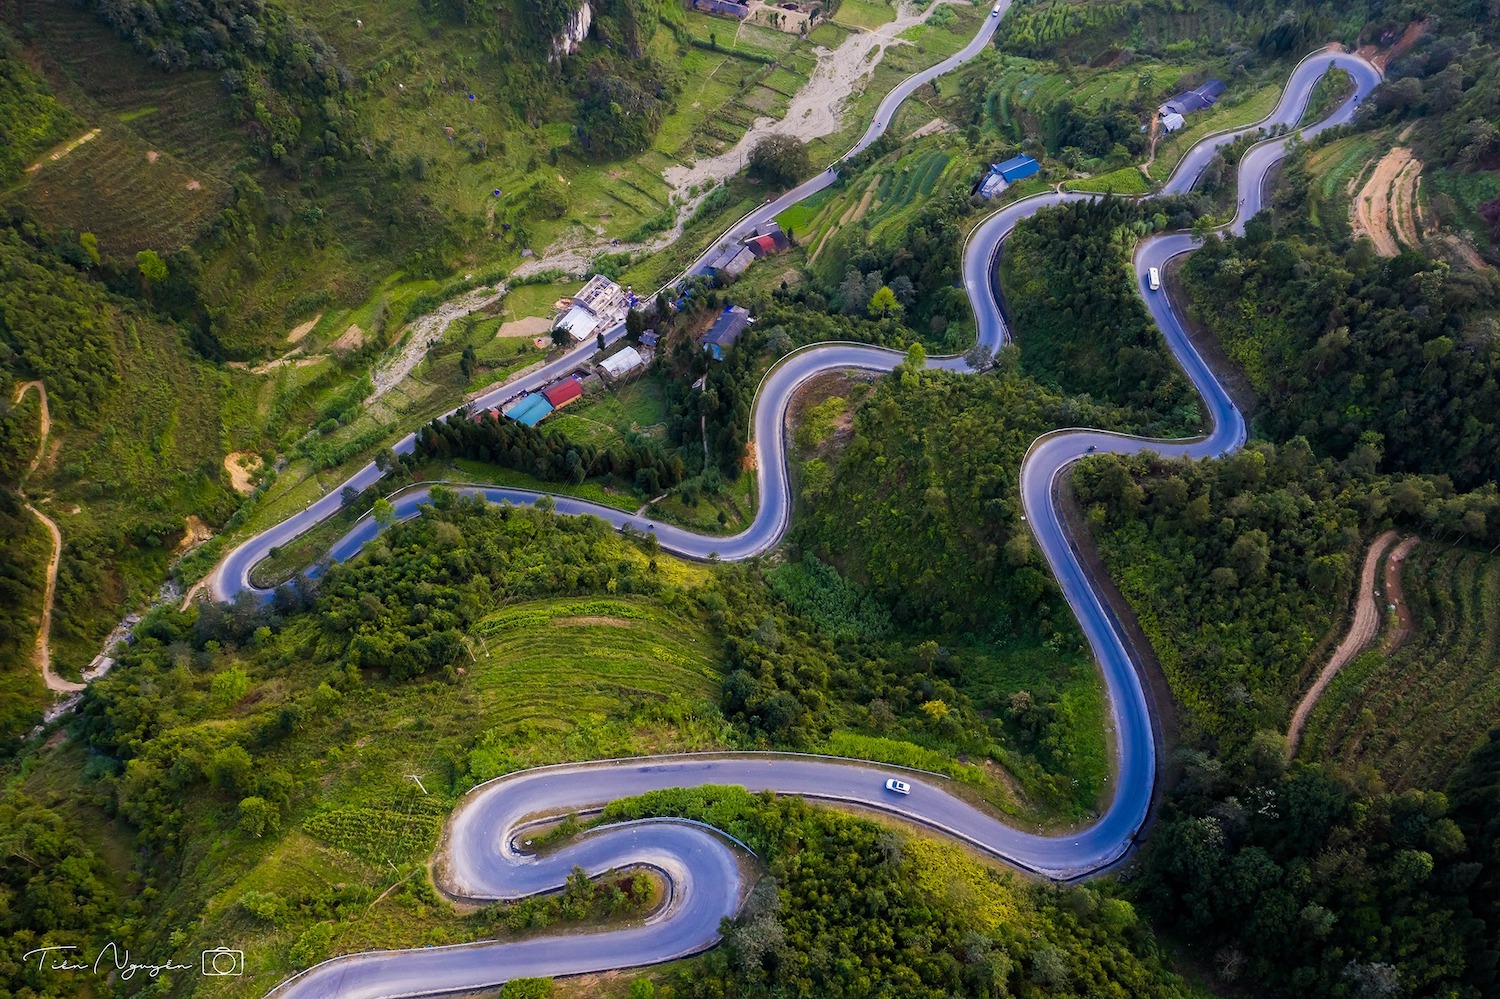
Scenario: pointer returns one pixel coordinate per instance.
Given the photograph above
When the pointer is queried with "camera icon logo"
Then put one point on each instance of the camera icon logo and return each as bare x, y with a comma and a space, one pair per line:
221, 962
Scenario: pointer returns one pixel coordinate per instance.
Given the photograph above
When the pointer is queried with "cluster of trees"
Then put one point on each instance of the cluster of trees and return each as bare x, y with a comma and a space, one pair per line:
1450, 83
639, 462
1344, 345
921, 268
54, 892
780, 160
850, 908
620, 107
718, 414
1097, 132
932, 470
1078, 318
290, 86
1297, 881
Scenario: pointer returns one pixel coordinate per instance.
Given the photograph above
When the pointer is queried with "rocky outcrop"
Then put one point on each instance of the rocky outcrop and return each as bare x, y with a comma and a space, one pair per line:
576, 31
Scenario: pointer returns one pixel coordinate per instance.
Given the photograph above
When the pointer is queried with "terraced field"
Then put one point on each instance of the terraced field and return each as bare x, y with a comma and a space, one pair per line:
1412, 715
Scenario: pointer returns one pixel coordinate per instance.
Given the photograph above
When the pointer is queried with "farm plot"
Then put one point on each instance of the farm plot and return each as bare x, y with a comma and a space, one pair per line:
1412, 714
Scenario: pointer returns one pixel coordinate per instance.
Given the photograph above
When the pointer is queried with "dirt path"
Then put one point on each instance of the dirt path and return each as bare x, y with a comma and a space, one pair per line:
1395, 596
62, 151
43, 652
817, 110
1388, 198
1362, 631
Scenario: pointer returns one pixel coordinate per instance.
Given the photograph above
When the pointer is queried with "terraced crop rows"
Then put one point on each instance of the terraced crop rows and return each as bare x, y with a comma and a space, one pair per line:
1412, 716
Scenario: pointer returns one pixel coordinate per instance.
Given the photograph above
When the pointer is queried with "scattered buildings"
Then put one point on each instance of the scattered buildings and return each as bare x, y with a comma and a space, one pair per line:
599, 305
625, 362
725, 331
1002, 175
1198, 99
732, 258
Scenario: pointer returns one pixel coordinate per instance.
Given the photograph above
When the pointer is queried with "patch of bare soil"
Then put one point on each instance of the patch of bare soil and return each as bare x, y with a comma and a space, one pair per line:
195, 532
241, 465
297, 333
933, 127
586, 620
1380, 58
1362, 631
530, 326
353, 338
1389, 196
1463, 253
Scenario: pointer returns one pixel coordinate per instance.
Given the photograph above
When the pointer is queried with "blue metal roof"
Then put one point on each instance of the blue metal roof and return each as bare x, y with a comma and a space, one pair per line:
529, 411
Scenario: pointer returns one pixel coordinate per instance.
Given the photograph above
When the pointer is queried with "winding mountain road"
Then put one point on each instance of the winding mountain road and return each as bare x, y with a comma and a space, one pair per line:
482, 859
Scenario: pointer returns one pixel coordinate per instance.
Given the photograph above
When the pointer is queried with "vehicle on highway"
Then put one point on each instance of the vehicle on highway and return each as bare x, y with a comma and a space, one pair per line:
995, 11
899, 786
1092, 448
1155, 279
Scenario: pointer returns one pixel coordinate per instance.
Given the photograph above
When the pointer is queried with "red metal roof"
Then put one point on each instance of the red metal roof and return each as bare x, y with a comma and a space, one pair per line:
563, 392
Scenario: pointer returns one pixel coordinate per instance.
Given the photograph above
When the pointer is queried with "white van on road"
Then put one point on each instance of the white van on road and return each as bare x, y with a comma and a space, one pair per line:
995, 11
1154, 279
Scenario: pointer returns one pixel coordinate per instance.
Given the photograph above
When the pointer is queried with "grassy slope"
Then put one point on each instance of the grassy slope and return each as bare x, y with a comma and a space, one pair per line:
1413, 715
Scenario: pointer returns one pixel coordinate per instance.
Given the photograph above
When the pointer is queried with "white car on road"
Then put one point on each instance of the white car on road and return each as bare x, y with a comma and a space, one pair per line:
899, 786
1155, 279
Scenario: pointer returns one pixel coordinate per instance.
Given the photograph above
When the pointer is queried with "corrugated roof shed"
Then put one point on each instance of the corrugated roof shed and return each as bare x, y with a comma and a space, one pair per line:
1017, 167
725, 330
649, 338
579, 322
725, 7
622, 363
529, 411
566, 391
1172, 122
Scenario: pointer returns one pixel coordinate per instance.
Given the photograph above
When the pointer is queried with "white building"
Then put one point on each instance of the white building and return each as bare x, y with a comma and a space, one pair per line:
599, 305
623, 363
1172, 121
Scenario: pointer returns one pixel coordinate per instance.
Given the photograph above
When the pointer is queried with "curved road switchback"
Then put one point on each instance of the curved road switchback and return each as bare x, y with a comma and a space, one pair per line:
483, 859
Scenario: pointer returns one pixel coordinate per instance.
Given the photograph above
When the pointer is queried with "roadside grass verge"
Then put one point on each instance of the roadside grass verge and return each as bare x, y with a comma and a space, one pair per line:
1126, 180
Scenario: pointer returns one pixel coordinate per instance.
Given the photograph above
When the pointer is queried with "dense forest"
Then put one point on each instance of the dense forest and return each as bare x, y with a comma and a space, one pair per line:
638, 463
1345, 347
933, 468
851, 908
1079, 321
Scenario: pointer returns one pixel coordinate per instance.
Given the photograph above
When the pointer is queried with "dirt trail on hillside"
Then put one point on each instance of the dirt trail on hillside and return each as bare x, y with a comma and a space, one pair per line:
816, 110
1395, 596
1362, 631
1386, 207
43, 651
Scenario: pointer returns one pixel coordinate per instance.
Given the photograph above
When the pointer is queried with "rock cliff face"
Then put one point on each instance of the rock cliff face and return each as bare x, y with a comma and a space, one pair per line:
573, 35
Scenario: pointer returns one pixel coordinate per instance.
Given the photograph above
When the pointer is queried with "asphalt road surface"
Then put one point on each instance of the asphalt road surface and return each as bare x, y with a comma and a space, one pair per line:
483, 860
